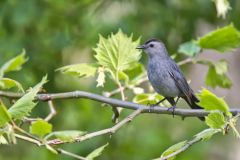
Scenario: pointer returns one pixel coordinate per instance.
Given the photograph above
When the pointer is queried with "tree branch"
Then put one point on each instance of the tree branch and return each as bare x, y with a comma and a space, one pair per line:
116, 102
101, 132
52, 111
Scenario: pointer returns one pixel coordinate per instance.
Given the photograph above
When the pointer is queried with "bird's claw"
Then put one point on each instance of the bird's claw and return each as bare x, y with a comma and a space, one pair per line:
172, 109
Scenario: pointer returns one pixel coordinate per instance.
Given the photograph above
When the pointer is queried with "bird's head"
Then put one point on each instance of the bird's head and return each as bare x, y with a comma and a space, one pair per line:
153, 47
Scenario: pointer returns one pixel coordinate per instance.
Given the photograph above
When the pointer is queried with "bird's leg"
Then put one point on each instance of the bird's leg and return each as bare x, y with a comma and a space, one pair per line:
173, 103
177, 99
156, 104
172, 109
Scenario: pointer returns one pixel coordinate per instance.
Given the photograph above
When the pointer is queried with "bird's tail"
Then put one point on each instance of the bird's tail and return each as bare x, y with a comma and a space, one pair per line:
192, 102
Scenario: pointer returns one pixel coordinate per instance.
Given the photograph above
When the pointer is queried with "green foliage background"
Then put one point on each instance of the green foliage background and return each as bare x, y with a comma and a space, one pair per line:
56, 33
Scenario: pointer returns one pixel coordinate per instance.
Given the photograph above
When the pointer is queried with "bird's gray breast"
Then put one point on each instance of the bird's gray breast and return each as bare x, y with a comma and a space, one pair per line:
159, 77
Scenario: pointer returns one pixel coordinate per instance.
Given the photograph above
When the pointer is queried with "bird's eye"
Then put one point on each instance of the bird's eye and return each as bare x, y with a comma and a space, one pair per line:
151, 45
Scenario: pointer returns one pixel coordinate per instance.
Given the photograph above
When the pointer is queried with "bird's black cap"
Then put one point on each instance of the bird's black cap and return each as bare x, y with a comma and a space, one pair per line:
152, 40
144, 46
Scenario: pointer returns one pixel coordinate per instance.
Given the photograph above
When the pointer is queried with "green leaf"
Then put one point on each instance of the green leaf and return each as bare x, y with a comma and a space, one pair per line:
66, 136
4, 115
189, 48
148, 99
173, 148
135, 73
14, 64
215, 120
117, 52
40, 128
210, 101
80, 70
214, 79
221, 67
216, 75
222, 39
97, 152
207, 133
7, 83
25, 104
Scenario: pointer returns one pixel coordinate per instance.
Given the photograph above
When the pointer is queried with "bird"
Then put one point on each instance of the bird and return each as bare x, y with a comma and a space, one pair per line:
166, 77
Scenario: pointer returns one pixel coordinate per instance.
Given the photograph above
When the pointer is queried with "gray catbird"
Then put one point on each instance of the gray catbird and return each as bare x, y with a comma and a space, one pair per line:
166, 77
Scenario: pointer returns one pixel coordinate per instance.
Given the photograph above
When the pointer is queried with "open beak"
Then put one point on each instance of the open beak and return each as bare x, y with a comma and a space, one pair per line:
142, 47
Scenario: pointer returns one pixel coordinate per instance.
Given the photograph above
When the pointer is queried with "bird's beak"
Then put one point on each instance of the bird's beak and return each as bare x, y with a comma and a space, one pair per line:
142, 47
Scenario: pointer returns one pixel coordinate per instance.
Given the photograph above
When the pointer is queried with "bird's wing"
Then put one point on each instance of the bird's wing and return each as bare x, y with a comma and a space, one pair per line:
180, 81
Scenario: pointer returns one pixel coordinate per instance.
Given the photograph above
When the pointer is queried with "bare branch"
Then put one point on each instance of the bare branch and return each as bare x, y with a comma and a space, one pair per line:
52, 111
25, 138
115, 102
101, 132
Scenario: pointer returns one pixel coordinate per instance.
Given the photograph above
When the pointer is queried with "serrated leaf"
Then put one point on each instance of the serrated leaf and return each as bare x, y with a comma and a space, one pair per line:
214, 79
173, 148
25, 104
189, 48
101, 77
66, 136
215, 120
7, 83
210, 101
223, 39
97, 152
80, 70
4, 115
40, 128
207, 133
14, 64
117, 52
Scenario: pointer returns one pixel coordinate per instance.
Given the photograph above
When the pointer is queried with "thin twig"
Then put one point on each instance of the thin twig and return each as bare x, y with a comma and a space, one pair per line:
117, 110
101, 132
24, 132
52, 111
61, 151
30, 120
185, 61
25, 138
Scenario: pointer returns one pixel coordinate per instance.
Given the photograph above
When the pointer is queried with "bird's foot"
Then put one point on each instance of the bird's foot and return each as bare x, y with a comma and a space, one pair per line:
172, 109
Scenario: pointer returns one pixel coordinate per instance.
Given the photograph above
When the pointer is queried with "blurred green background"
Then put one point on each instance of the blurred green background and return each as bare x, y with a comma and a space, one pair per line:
59, 32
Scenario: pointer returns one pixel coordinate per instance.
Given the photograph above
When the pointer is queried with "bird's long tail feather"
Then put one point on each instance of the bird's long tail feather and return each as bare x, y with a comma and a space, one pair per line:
193, 104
